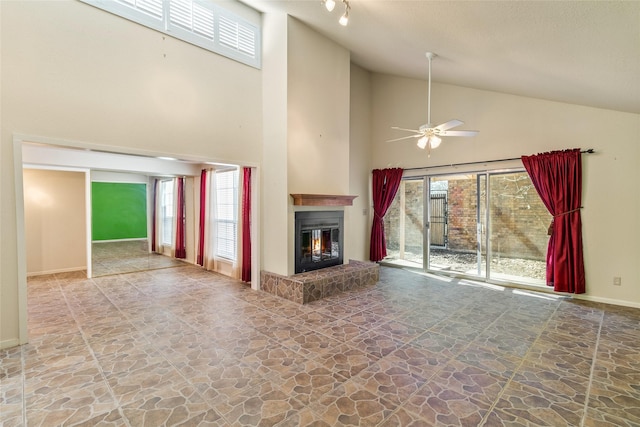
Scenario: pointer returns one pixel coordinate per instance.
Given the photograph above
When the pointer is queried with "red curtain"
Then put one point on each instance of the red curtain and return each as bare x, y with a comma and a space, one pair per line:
557, 176
180, 251
203, 204
154, 215
246, 225
385, 185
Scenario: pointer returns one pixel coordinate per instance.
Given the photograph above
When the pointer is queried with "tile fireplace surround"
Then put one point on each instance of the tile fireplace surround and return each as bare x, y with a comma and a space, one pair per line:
309, 286
314, 285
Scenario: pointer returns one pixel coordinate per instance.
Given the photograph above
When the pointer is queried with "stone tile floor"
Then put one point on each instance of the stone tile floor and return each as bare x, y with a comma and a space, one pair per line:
108, 258
182, 346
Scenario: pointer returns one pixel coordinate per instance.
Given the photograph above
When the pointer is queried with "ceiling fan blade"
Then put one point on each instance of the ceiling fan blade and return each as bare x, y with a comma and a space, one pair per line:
448, 125
459, 133
404, 137
408, 130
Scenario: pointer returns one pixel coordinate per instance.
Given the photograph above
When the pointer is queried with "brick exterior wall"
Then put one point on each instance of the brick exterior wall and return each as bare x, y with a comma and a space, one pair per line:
519, 219
462, 215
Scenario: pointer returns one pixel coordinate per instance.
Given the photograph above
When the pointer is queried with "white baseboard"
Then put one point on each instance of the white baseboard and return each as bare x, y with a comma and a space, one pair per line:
135, 239
9, 343
607, 300
61, 270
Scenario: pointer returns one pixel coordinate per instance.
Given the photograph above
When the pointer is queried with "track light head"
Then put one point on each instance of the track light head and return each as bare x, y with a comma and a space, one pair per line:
329, 4
344, 19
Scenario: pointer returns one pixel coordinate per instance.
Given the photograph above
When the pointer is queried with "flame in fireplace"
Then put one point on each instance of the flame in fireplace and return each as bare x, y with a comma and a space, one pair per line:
316, 244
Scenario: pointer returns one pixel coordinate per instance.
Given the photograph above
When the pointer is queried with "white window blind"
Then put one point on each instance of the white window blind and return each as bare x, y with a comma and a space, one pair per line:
166, 212
237, 36
194, 18
198, 22
151, 7
226, 214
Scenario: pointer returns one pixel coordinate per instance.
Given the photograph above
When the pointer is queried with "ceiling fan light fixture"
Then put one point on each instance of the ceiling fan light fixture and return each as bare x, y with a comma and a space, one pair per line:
434, 141
422, 142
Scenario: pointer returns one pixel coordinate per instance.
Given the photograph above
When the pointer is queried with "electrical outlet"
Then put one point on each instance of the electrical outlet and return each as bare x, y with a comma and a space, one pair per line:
617, 281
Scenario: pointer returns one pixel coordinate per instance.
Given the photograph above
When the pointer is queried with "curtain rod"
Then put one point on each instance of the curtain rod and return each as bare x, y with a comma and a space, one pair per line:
588, 151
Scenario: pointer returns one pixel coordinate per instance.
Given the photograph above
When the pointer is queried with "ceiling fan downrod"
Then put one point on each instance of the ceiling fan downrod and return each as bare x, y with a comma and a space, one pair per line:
430, 56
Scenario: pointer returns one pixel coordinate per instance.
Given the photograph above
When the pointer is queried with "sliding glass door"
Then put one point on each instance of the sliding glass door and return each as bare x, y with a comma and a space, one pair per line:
456, 219
489, 225
518, 229
404, 224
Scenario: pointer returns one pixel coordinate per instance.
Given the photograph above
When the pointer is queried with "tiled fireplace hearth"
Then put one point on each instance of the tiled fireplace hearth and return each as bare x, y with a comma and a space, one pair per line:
320, 272
314, 285
319, 247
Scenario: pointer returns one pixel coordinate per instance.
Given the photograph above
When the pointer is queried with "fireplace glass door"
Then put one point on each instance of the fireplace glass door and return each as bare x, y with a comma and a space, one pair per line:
318, 240
320, 244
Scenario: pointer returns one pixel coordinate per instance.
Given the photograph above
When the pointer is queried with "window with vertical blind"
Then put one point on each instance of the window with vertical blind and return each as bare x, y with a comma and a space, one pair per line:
226, 218
166, 212
199, 22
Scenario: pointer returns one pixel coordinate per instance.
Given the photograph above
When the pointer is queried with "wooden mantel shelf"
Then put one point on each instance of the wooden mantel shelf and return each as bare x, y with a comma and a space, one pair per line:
322, 200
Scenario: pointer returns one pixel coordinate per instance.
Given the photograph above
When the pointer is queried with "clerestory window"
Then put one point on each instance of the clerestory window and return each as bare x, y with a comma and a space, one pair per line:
199, 22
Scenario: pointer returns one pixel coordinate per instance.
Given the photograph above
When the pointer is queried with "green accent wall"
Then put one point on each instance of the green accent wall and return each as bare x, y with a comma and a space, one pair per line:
118, 210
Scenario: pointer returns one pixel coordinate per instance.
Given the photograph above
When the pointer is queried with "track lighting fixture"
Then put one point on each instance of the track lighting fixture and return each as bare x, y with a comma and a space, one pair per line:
331, 4
344, 19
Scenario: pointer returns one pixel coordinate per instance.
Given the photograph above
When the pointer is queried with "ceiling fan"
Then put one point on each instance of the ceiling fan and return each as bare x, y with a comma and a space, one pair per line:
429, 135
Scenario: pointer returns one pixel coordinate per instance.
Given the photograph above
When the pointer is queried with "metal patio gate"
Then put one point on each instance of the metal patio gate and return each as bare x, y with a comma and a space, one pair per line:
438, 220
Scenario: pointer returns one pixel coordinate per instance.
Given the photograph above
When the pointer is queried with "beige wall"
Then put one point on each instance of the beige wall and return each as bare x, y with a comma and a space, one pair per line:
511, 126
274, 194
318, 113
357, 218
55, 221
79, 73
73, 72
317, 121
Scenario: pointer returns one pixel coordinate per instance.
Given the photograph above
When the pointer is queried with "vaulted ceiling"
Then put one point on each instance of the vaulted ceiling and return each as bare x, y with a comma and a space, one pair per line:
578, 52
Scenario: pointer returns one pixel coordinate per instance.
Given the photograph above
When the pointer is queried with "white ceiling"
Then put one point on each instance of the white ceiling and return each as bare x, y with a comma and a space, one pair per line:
579, 52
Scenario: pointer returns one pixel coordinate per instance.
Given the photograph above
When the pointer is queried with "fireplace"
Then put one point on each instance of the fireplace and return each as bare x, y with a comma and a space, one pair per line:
318, 239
